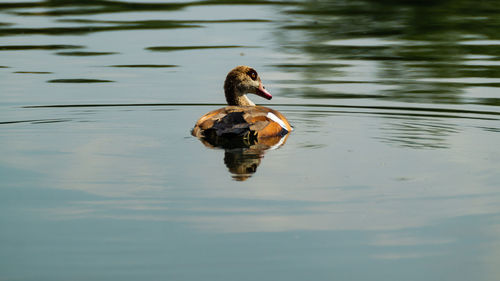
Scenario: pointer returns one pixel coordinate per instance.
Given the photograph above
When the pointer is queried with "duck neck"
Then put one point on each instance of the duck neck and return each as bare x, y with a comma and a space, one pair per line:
233, 98
243, 100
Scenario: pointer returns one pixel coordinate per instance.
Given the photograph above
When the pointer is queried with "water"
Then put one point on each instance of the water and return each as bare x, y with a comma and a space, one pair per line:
391, 172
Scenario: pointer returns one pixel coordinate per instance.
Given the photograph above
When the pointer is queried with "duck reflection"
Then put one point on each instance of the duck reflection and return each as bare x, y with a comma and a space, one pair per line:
242, 156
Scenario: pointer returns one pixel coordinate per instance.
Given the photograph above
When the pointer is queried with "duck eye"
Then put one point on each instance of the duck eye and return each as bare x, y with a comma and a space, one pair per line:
252, 74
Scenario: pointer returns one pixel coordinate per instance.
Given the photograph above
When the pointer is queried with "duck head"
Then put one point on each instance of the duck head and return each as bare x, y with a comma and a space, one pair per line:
243, 80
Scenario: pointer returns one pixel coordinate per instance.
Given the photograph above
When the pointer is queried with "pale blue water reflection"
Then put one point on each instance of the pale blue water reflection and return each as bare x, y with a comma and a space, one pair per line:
391, 172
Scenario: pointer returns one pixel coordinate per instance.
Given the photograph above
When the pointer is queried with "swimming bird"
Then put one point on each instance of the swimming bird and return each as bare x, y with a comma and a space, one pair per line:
242, 119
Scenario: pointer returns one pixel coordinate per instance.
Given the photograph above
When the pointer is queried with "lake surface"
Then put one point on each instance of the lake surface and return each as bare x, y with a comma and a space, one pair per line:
391, 173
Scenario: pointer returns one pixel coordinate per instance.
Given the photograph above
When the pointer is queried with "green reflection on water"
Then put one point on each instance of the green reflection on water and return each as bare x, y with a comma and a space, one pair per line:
85, 54
87, 7
91, 28
184, 48
79, 80
37, 47
407, 43
144, 65
33, 72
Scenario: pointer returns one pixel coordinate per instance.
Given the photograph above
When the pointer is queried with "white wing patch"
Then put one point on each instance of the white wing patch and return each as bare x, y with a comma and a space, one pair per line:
275, 118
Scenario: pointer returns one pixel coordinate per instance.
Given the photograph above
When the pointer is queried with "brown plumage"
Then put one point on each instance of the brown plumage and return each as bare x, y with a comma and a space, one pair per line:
242, 119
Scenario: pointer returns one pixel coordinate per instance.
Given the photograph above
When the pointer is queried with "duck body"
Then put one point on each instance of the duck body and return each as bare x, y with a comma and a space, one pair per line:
242, 119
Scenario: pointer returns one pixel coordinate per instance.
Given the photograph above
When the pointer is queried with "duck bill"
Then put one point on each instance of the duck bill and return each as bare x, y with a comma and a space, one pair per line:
263, 92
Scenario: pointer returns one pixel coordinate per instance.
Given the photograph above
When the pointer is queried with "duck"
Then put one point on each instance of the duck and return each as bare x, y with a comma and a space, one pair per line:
241, 119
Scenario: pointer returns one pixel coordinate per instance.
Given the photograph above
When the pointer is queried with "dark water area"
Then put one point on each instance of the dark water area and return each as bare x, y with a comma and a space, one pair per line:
391, 172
